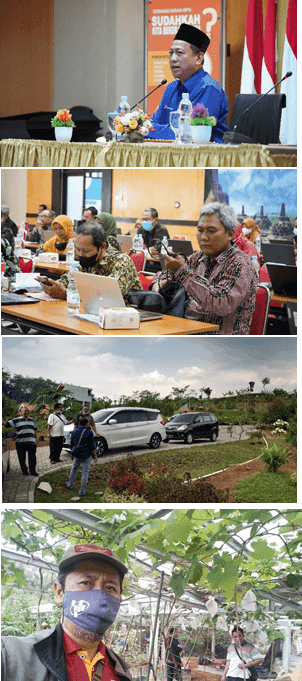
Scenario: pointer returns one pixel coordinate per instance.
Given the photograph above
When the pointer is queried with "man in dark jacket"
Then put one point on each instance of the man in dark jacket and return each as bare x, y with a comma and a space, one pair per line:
173, 651
83, 448
88, 588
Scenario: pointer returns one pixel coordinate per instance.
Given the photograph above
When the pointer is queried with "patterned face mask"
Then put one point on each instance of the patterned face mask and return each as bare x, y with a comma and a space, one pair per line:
93, 610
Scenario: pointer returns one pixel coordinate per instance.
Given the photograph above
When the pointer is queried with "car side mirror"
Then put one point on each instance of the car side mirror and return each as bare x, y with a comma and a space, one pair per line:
112, 422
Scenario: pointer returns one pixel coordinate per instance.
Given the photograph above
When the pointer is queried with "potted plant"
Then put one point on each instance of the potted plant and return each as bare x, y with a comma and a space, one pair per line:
62, 123
201, 124
134, 125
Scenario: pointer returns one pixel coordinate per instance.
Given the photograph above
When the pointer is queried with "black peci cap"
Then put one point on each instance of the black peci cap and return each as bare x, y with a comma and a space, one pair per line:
191, 34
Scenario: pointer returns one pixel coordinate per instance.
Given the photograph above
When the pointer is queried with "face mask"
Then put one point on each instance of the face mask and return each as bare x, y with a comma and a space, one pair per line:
88, 262
147, 225
59, 411
61, 245
246, 230
93, 610
295, 231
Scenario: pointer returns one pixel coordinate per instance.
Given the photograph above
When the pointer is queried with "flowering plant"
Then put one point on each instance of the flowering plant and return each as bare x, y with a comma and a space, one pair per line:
200, 116
134, 121
63, 117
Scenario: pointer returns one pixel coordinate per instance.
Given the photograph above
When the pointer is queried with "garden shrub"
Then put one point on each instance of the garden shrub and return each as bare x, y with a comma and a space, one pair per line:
291, 436
274, 457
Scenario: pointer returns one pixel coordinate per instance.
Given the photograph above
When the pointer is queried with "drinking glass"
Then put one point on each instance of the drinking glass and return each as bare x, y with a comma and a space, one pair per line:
110, 118
174, 121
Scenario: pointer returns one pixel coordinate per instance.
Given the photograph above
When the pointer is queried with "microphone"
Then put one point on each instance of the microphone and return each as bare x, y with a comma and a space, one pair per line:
237, 138
163, 82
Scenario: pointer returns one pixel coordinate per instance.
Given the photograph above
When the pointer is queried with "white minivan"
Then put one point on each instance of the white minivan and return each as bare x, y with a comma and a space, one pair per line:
124, 427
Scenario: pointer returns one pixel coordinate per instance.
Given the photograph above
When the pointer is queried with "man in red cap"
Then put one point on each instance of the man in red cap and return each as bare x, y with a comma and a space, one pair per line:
186, 63
88, 589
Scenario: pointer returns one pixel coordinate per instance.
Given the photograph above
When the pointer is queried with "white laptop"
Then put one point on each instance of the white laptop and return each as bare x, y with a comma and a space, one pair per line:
97, 291
125, 242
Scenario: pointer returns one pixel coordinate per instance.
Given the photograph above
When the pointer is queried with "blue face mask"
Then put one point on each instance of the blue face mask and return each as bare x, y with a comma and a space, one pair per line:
147, 225
93, 610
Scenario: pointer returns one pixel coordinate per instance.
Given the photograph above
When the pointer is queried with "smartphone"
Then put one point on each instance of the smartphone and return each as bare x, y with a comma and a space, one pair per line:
44, 280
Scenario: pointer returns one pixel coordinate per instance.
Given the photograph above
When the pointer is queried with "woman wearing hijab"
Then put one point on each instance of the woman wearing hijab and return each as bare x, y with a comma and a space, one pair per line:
250, 229
63, 228
108, 222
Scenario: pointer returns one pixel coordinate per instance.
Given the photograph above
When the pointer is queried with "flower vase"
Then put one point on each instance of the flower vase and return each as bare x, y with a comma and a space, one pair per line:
133, 137
201, 134
63, 133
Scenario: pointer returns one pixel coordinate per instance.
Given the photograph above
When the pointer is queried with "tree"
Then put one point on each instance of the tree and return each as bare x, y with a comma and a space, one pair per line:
265, 381
251, 386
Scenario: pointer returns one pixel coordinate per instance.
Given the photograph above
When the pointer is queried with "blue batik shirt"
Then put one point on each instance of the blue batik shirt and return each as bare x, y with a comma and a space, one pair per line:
202, 89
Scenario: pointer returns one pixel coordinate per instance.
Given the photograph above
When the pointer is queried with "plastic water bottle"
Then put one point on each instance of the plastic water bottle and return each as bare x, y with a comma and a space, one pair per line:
185, 110
165, 244
258, 243
73, 296
123, 108
70, 253
255, 264
138, 243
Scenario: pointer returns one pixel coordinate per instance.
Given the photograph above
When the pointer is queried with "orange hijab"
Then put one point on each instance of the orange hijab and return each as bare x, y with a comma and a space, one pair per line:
249, 223
67, 224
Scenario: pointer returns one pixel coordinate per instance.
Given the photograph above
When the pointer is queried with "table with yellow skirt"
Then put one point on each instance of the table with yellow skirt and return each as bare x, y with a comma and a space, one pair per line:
16, 153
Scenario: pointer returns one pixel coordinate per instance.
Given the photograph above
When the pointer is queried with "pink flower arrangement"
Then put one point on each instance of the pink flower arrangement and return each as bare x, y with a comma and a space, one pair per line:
200, 116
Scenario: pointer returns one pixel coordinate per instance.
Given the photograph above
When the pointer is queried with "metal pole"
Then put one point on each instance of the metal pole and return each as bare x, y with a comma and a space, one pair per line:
128, 632
194, 644
155, 626
136, 631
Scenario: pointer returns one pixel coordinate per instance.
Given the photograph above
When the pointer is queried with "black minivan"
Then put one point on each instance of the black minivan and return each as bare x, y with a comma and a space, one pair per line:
192, 426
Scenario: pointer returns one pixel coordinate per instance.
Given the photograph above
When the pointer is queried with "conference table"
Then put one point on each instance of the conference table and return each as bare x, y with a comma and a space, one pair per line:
51, 317
148, 154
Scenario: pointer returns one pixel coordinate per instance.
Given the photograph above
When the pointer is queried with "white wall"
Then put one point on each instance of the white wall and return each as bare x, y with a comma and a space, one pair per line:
13, 192
98, 54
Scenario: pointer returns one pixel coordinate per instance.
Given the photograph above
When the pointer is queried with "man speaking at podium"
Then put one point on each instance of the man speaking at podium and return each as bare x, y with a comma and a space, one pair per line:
186, 63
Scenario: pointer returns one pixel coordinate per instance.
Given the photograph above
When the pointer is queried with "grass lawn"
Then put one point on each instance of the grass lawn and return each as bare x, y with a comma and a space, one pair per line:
270, 487
196, 460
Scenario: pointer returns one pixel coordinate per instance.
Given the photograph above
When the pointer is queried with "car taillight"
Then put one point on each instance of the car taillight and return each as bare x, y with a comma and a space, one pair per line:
163, 422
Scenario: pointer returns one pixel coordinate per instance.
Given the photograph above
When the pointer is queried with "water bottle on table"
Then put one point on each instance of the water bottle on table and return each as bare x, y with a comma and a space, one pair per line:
138, 243
70, 253
258, 243
73, 296
184, 124
255, 265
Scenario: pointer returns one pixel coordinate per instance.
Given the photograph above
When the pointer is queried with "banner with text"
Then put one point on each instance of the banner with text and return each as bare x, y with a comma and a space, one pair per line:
164, 21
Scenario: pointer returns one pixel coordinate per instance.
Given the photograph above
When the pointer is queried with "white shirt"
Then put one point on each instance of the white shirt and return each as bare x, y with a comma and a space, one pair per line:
248, 653
57, 422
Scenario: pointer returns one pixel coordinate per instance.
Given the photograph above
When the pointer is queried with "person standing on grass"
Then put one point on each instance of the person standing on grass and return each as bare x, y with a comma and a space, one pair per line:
55, 432
82, 438
26, 440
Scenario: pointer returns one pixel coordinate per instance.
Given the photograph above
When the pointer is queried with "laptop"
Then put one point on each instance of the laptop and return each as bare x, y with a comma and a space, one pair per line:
15, 299
278, 253
97, 291
283, 278
179, 246
125, 242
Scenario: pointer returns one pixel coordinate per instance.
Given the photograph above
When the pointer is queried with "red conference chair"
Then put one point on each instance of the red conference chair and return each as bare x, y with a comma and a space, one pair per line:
26, 265
260, 314
139, 260
145, 280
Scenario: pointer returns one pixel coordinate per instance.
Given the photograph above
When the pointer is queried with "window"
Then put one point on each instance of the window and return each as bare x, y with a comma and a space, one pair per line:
139, 415
122, 417
152, 415
207, 418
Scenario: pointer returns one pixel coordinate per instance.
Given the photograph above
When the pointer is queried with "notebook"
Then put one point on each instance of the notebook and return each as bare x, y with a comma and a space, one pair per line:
283, 278
278, 253
97, 291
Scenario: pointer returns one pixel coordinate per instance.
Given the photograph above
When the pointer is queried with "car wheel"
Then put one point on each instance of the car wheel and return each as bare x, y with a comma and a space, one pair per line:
213, 437
101, 447
155, 441
189, 438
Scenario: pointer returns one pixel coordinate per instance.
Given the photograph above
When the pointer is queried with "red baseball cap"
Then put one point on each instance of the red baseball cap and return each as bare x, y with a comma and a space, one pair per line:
79, 552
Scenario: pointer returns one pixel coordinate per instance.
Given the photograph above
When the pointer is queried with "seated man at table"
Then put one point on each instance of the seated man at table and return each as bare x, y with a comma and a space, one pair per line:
97, 257
219, 278
150, 229
6, 221
186, 63
90, 214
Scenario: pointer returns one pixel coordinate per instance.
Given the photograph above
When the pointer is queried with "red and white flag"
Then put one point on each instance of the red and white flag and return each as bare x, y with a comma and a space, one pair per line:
288, 131
253, 50
268, 74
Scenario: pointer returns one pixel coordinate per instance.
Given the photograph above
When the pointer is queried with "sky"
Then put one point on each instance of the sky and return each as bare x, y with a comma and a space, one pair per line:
120, 366
252, 188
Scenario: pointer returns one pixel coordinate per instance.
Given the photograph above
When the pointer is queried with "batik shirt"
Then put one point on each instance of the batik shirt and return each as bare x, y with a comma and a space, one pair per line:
11, 261
114, 264
220, 291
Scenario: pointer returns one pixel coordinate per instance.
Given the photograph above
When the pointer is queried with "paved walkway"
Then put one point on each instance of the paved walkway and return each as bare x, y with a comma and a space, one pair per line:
18, 488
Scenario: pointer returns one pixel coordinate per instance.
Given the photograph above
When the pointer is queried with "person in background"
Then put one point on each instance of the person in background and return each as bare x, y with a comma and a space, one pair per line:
186, 63
173, 651
151, 229
82, 438
295, 235
250, 229
96, 257
241, 656
42, 207
8, 254
74, 649
63, 228
55, 431
219, 278
85, 412
45, 219
109, 225
26, 440
89, 214
6, 221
